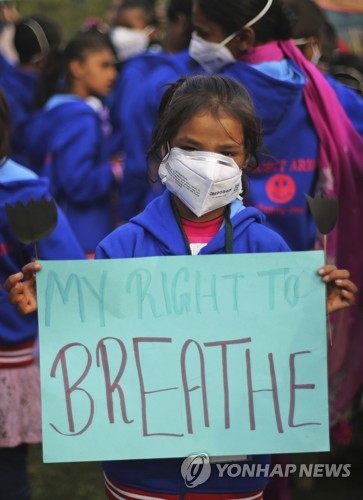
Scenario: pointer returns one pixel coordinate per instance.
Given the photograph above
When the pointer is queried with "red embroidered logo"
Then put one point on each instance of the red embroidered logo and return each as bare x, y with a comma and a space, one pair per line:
281, 188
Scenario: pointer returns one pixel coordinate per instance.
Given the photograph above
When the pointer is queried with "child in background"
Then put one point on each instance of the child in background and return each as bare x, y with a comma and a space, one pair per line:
34, 38
209, 133
68, 136
20, 422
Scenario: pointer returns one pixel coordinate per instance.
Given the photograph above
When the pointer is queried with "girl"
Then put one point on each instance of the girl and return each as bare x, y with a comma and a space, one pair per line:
19, 374
68, 136
34, 38
208, 134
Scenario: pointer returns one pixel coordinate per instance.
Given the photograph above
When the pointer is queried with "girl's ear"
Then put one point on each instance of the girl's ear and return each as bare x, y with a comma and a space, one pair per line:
76, 69
245, 39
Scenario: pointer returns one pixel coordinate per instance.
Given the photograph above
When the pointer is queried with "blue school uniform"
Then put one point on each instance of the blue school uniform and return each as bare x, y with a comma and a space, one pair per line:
18, 86
126, 89
66, 143
287, 168
18, 184
155, 232
351, 101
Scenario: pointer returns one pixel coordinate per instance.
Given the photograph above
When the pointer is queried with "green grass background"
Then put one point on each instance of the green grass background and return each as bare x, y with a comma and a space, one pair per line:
64, 481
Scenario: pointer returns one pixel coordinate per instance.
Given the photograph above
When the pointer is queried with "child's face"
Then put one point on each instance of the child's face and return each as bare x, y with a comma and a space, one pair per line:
134, 18
96, 73
221, 134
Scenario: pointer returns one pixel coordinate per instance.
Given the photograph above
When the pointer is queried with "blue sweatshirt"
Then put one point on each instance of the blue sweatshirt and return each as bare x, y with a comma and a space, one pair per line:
155, 232
18, 86
287, 168
65, 142
20, 184
126, 89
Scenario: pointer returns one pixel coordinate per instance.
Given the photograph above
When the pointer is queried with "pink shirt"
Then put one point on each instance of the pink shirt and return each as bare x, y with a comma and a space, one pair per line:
199, 234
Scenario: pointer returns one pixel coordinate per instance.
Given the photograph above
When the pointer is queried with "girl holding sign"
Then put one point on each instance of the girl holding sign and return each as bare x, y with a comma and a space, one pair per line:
208, 136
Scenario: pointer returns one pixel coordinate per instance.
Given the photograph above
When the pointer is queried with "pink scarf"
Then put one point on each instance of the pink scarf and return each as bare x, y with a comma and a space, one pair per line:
340, 164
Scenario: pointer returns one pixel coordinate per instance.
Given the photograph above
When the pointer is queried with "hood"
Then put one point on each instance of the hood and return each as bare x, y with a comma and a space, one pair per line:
274, 97
166, 231
18, 83
34, 137
18, 184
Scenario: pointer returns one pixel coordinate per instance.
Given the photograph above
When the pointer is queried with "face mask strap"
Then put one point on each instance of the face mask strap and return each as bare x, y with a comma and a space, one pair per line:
300, 41
228, 39
316, 54
260, 15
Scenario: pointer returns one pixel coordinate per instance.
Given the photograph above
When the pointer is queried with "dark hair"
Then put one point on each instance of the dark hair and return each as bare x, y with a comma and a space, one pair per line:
232, 15
310, 20
56, 76
35, 35
144, 5
215, 93
176, 7
4, 129
347, 68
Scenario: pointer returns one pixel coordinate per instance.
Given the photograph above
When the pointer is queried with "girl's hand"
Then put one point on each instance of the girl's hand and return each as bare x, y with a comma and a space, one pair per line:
22, 288
340, 290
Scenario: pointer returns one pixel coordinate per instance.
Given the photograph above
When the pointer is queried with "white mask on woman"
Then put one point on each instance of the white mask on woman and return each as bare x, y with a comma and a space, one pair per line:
129, 42
201, 180
211, 56
214, 56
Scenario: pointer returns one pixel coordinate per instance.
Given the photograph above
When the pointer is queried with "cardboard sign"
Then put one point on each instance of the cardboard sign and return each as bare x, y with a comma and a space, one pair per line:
172, 356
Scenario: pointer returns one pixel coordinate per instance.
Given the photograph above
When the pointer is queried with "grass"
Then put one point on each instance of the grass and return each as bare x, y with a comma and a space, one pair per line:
64, 481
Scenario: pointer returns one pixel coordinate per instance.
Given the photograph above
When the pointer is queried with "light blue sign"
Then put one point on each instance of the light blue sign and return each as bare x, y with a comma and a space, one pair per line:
171, 356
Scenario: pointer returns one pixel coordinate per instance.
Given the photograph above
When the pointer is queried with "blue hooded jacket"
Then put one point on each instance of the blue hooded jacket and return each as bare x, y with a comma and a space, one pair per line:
155, 232
20, 184
18, 86
65, 142
126, 89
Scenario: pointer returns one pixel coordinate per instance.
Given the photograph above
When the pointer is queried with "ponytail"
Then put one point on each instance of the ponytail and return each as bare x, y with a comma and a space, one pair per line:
50, 79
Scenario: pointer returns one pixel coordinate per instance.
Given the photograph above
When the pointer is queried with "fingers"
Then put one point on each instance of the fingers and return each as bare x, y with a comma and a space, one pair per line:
347, 285
348, 296
12, 281
331, 273
16, 293
30, 269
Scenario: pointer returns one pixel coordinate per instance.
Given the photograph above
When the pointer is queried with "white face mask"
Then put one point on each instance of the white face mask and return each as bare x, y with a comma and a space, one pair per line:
211, 56
201, 180
316, 54
129, 42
